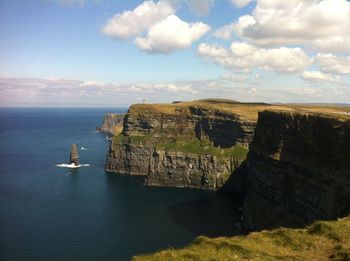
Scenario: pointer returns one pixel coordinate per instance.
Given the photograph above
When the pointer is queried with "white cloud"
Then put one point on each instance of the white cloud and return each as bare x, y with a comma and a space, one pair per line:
26, 91
241, 3
332, 43
319, 77
200, 7
330, 63
324, 25
244, 57
170, 35
53, 92
132, 23
235, 77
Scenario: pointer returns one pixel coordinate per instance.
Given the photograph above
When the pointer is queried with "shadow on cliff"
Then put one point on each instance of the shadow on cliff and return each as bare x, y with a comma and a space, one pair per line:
213, 217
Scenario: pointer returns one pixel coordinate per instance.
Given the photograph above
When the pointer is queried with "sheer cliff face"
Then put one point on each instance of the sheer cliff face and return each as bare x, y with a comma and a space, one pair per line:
298, 170
163, 167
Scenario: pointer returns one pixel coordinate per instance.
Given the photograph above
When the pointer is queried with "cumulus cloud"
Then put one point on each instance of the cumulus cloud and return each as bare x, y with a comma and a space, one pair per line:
241, 3
165, 31
332, 43
324, 25
329, 63
171, 34
132, 23
244, 57
320, 77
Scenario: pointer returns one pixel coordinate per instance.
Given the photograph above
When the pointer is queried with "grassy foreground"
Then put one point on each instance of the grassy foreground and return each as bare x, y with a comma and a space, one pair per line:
320, 241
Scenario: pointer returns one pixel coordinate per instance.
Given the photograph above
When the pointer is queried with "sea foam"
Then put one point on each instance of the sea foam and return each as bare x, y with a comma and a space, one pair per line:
72, 166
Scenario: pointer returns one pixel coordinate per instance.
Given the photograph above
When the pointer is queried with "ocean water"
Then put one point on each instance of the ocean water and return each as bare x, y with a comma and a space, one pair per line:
52, 213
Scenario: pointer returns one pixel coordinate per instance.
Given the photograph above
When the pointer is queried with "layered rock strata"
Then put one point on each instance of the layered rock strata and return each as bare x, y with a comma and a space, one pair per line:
298, 170
161, 166
224, 129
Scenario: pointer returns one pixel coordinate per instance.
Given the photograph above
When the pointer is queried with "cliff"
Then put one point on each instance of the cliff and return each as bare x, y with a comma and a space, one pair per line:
298, 170
112, 123
194, 144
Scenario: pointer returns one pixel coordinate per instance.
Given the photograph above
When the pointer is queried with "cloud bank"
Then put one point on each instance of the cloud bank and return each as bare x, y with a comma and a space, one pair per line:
245, 57
59, 92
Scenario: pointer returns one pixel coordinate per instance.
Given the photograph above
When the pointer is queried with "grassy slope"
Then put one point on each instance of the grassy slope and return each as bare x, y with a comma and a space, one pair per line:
320, 241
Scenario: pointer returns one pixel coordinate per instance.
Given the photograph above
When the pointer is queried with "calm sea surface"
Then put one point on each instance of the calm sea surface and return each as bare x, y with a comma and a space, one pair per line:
51, 213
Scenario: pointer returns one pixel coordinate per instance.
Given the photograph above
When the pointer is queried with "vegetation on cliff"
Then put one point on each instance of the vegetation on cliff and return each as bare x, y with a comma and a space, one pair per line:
320, 241
190, 145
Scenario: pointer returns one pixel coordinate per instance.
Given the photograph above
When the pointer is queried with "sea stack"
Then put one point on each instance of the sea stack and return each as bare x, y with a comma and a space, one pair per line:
74, 157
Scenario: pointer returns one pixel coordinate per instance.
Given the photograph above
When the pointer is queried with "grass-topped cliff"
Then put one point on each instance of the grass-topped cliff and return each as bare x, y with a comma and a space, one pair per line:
205, 139
320, 241
185, 144
245, 110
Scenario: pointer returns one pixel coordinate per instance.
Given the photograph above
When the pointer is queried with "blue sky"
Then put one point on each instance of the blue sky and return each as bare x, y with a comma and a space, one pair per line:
114, 53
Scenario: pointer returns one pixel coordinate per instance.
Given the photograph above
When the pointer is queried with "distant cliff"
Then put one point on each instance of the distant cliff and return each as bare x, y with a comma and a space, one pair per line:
183, 144
298, 170
112, 123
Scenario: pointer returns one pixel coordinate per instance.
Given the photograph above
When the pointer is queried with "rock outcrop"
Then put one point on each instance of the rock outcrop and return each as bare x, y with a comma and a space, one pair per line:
112, 123
298, 170
74, 157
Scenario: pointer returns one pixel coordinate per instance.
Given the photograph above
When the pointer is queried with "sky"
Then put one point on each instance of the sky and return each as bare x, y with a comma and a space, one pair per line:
116, 53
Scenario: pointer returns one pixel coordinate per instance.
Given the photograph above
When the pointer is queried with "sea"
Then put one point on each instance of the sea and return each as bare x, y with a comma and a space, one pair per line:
54, 213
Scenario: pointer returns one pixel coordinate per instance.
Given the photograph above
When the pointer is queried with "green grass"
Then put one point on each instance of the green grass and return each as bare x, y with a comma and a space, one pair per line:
186, 145
133, 139
196, 146
320, 241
